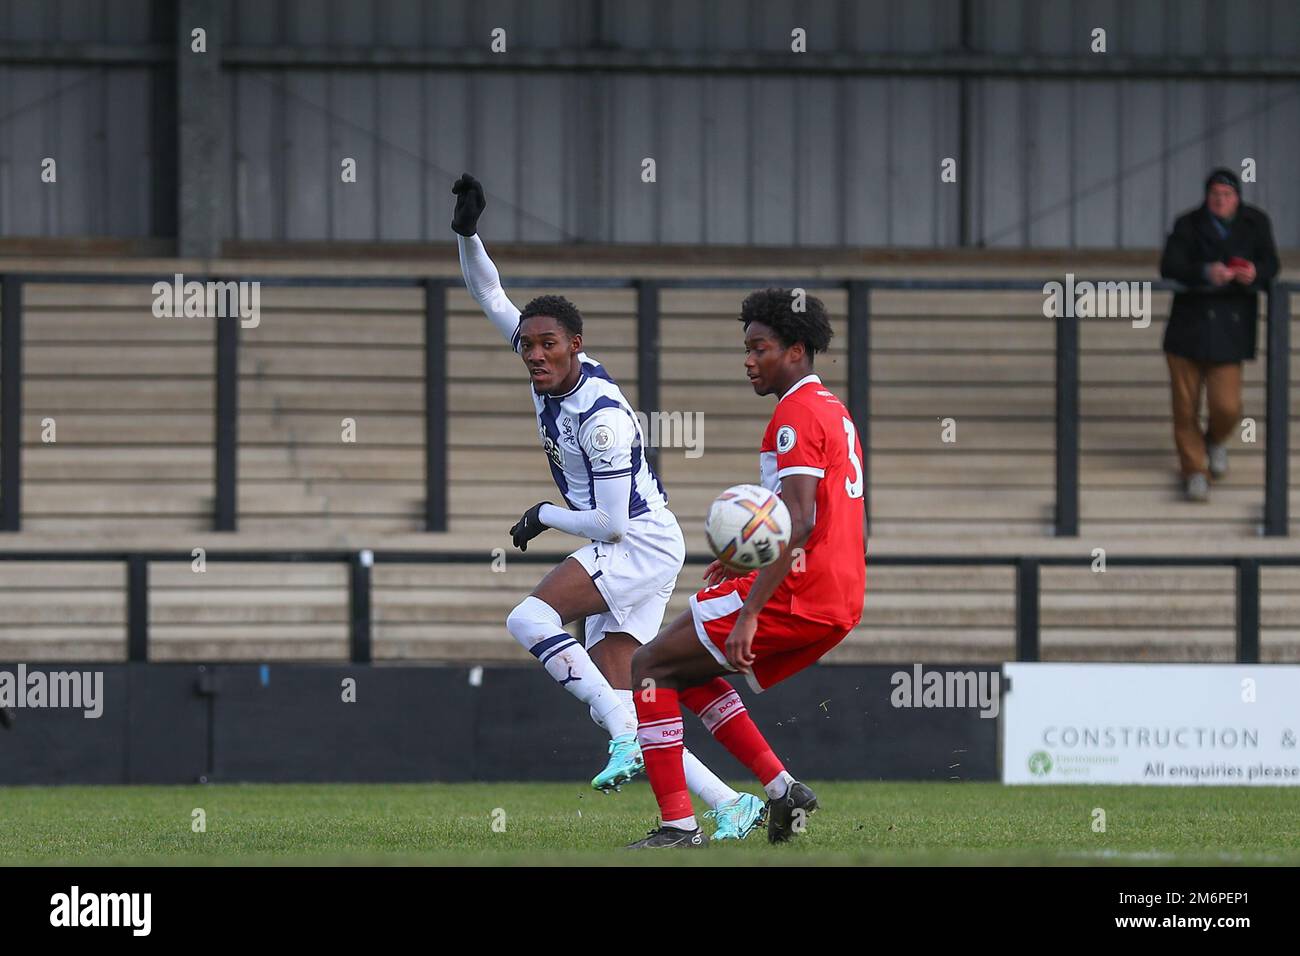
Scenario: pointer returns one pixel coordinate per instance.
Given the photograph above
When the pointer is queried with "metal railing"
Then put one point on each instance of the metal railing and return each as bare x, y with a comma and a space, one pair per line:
226, 423
361, 564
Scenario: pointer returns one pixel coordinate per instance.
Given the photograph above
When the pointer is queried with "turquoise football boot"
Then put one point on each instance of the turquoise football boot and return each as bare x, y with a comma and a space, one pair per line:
625, 762
738, 818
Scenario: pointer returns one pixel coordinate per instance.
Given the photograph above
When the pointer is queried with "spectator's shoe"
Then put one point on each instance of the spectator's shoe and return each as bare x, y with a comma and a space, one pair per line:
1218, 460
1198, 487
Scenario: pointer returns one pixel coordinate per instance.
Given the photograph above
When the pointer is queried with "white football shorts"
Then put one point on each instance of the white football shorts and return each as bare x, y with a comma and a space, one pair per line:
636, 576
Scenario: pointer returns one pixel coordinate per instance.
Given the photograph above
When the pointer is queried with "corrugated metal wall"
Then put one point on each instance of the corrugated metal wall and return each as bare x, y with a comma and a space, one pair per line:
1110, 163
94, 122
770, 160
738, 160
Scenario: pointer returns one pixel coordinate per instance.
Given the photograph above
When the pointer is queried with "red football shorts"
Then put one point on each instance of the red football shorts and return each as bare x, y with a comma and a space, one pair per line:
784, 643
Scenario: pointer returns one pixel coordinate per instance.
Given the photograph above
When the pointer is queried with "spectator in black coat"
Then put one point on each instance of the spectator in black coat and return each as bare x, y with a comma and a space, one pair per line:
1223, 252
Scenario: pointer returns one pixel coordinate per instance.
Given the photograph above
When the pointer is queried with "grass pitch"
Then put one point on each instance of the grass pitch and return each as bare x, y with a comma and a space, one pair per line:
557, 824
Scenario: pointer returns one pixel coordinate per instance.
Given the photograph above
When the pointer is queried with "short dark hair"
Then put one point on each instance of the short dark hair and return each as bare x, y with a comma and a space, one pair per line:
1225, 177
775, 309
557, 307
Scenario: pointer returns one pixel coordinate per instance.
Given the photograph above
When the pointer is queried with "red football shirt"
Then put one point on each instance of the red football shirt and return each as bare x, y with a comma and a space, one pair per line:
811, 433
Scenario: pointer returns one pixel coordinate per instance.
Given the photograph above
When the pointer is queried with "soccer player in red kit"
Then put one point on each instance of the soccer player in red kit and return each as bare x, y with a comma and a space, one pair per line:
772, 623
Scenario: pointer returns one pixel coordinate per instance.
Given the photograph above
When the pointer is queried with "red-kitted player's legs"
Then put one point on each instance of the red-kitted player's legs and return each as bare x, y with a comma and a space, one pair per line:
679, 667
725, 716
673, 659
659, 732
677, 659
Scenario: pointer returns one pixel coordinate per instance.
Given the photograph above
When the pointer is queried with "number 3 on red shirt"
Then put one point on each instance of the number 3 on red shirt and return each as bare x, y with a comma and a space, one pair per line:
853, 486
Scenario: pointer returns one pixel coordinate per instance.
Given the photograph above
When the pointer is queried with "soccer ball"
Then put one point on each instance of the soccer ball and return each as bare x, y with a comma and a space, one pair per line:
748, 527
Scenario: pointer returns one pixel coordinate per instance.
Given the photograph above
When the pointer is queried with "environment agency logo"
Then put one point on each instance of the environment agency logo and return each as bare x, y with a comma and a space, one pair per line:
1040, 763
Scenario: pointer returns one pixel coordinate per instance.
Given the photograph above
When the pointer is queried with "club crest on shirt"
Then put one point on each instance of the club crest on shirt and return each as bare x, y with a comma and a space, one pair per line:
785, 439
566, 425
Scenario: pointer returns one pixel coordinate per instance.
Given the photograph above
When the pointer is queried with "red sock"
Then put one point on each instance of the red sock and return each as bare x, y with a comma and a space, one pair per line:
659, 732
725, 716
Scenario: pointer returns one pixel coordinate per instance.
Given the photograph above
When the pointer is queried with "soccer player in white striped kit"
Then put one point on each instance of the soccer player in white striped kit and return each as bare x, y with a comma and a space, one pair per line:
622, 581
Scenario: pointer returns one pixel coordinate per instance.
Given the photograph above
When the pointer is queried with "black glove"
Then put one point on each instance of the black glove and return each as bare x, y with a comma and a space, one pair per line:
470, 204
529, 526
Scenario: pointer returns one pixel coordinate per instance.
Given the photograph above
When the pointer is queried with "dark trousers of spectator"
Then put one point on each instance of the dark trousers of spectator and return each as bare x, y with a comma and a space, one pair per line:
1222, 384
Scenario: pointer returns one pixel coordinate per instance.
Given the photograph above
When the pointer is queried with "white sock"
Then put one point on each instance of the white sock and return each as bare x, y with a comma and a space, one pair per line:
536, 625
704, 783
624, 720
685, 823
779, 785
628, 717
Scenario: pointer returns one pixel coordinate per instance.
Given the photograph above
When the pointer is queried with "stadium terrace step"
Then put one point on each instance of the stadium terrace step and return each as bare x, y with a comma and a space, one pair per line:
134, 459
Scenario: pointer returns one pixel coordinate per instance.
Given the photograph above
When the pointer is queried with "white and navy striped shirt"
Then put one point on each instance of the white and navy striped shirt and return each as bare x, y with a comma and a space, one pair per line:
591, 433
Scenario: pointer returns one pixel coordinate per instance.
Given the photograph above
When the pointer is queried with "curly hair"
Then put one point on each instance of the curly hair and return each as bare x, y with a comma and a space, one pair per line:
775, 309
557, 307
